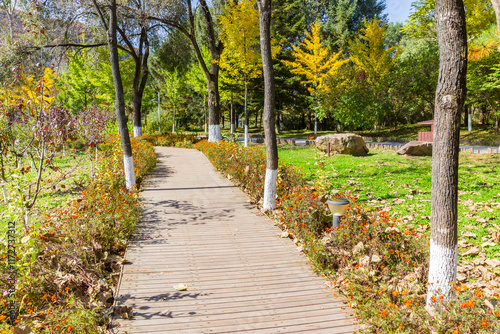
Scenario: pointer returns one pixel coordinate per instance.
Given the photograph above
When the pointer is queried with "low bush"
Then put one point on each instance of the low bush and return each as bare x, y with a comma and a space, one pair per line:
69, 265
172, 139
380, 270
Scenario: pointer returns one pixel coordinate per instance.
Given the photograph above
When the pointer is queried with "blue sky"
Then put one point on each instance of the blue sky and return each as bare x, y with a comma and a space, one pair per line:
398, 10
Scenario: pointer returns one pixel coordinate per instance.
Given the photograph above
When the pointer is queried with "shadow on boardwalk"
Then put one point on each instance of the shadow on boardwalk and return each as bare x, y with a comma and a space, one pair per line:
198, 229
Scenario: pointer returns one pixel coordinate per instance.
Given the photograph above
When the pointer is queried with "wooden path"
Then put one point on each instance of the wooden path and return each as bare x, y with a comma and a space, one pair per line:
198, 229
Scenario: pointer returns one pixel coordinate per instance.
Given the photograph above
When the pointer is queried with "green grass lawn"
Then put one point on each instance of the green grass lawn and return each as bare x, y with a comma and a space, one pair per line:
72, 175
402, 187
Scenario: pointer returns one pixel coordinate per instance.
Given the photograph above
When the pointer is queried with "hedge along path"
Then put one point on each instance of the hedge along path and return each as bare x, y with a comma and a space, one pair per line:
199, 229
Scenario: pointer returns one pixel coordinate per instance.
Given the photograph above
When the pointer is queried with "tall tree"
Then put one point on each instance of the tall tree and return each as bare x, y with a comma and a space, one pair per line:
240, 33
337, 27
111, 33
269, 116
211, 69
368, 51
172, 88
195, 78
450, 97
315, 64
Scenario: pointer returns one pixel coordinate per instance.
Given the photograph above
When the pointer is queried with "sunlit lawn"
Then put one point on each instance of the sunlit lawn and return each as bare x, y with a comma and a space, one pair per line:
402, 186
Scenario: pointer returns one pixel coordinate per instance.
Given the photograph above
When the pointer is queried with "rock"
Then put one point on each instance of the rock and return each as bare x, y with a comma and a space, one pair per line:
417, 148
342, 143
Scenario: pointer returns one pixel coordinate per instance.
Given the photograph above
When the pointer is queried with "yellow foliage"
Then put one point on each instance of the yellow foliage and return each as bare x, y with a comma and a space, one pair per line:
240, 35
483, 45
368, 52
313, 61
28, 90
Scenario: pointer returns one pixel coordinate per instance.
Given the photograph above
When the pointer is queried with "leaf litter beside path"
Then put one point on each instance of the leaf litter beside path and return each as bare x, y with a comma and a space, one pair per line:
401, 186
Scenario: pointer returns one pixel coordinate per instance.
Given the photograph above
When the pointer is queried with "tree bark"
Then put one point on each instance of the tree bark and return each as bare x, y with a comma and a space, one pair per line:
111, 32
450, 97
246, 110
269, 202
496, 8
212, 71
139, 84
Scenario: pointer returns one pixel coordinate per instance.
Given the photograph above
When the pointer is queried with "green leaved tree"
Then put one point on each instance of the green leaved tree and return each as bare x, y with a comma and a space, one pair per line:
196, 79
173, 88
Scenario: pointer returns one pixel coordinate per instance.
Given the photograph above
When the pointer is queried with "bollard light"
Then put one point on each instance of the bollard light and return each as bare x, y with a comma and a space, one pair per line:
338, 207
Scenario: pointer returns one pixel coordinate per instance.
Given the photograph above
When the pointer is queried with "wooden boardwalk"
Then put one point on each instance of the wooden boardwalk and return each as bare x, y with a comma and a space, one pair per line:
198, 229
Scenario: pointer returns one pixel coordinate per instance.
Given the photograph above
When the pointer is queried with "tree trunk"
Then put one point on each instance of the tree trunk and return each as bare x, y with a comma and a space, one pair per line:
496, 124
308, 120
482, 115
246, 112
128, 161
496, 8
232, 115
450, 97
466, 114
214, 133
269, 202
140, 79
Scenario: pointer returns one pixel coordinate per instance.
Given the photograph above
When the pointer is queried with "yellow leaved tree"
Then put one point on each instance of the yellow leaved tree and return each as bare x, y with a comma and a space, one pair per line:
368, 51
313, 61
240, 34
27, 89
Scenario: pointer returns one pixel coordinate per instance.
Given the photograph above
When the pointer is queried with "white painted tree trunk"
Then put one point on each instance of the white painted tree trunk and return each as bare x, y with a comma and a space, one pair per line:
246, 135
128, 164
214, 134
269, 202
205, 110
173, 122
469, 121
137, 131
315, 126
442, 271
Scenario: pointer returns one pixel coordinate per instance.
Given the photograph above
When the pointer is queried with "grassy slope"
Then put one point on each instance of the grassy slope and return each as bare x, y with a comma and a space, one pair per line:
69, 180
402, 186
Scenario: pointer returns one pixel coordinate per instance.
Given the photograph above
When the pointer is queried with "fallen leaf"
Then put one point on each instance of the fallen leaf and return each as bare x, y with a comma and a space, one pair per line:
469, 202
180, 287
472, 251
493, 262
488, 244
468, 234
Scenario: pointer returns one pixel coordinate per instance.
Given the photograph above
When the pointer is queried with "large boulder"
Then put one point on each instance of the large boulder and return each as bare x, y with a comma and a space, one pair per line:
418, 148
342, 143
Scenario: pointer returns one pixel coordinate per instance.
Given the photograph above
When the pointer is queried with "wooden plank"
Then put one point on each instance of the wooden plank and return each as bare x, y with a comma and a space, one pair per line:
336, 323
241, 276
277, 306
